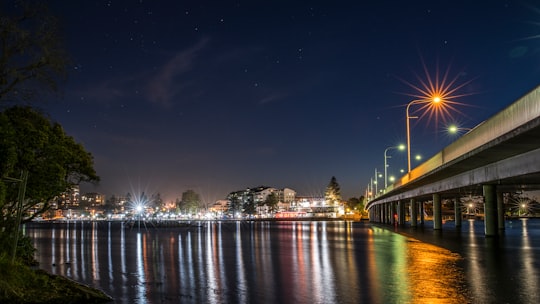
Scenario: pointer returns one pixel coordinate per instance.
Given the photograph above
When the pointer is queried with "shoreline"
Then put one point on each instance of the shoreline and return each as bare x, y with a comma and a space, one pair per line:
31, 284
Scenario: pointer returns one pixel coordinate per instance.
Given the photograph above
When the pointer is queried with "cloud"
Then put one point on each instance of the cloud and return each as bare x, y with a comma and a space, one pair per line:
162, 88
269, 99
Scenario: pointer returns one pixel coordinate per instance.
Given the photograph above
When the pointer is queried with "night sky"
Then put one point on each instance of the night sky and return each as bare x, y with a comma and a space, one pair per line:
219, 96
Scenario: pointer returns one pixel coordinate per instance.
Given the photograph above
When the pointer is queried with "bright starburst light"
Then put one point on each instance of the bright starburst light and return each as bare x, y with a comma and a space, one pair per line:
436, 95
138, 203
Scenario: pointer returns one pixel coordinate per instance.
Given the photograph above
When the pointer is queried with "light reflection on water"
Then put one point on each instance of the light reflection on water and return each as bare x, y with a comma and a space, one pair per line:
251, 262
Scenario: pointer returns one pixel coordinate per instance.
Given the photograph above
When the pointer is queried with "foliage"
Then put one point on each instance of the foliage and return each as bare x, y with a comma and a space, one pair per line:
353, 203
249, 207
32, 56
157, 201
25, 249
53, 160
333, 192
272, 201
190, 202
235, 205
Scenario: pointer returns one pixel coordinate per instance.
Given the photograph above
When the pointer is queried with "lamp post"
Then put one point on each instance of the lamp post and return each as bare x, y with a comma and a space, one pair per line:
377, 175
400, 147
419, 101
454, 129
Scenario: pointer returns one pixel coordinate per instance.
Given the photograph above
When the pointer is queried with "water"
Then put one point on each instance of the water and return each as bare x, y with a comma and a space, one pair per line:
294, 262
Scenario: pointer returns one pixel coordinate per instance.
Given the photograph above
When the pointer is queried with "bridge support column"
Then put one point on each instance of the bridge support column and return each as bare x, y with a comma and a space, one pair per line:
394, 213
414, 213
387, 212
437, 215
380, 213
500, 210
421, 205
490, 210
401, 213
457, 211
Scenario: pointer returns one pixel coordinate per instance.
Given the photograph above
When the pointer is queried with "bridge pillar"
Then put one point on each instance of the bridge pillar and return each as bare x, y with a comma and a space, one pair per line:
387, 213
421, 205
394, 213
500, 210
457, 211
391, 213
490, 210
401, 212
437, 216
414, 213
380, 213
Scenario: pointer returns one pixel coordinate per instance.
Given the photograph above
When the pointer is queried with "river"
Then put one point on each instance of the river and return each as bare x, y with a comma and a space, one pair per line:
294, 262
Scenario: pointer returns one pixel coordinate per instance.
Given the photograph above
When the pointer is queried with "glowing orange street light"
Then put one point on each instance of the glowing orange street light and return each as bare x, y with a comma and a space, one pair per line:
434, 100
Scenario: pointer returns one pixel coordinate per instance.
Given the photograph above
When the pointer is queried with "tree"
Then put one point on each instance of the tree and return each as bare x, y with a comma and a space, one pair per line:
272, 201
353, 203
250, 208
157, 201
235, 205
190, 202
48, 161
32, 57
53, 160
333, 192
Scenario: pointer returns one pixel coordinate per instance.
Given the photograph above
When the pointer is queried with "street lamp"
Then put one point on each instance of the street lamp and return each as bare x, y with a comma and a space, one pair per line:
435, 100
377, 175
400, 147
454, 129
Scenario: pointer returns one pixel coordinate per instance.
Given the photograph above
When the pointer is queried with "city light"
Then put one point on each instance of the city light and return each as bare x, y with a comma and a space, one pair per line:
436, 97
455, 129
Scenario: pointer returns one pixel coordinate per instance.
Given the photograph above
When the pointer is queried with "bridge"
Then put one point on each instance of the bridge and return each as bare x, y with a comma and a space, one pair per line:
500, 155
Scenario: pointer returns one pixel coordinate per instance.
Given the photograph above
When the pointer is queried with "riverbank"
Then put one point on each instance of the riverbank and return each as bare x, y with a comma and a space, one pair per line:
22, 284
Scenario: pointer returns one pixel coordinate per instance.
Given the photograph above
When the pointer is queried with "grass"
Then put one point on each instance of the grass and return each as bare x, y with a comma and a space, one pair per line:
21, 284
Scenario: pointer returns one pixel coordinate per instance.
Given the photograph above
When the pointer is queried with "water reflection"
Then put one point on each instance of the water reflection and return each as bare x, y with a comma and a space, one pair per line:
529, 286
247, 262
